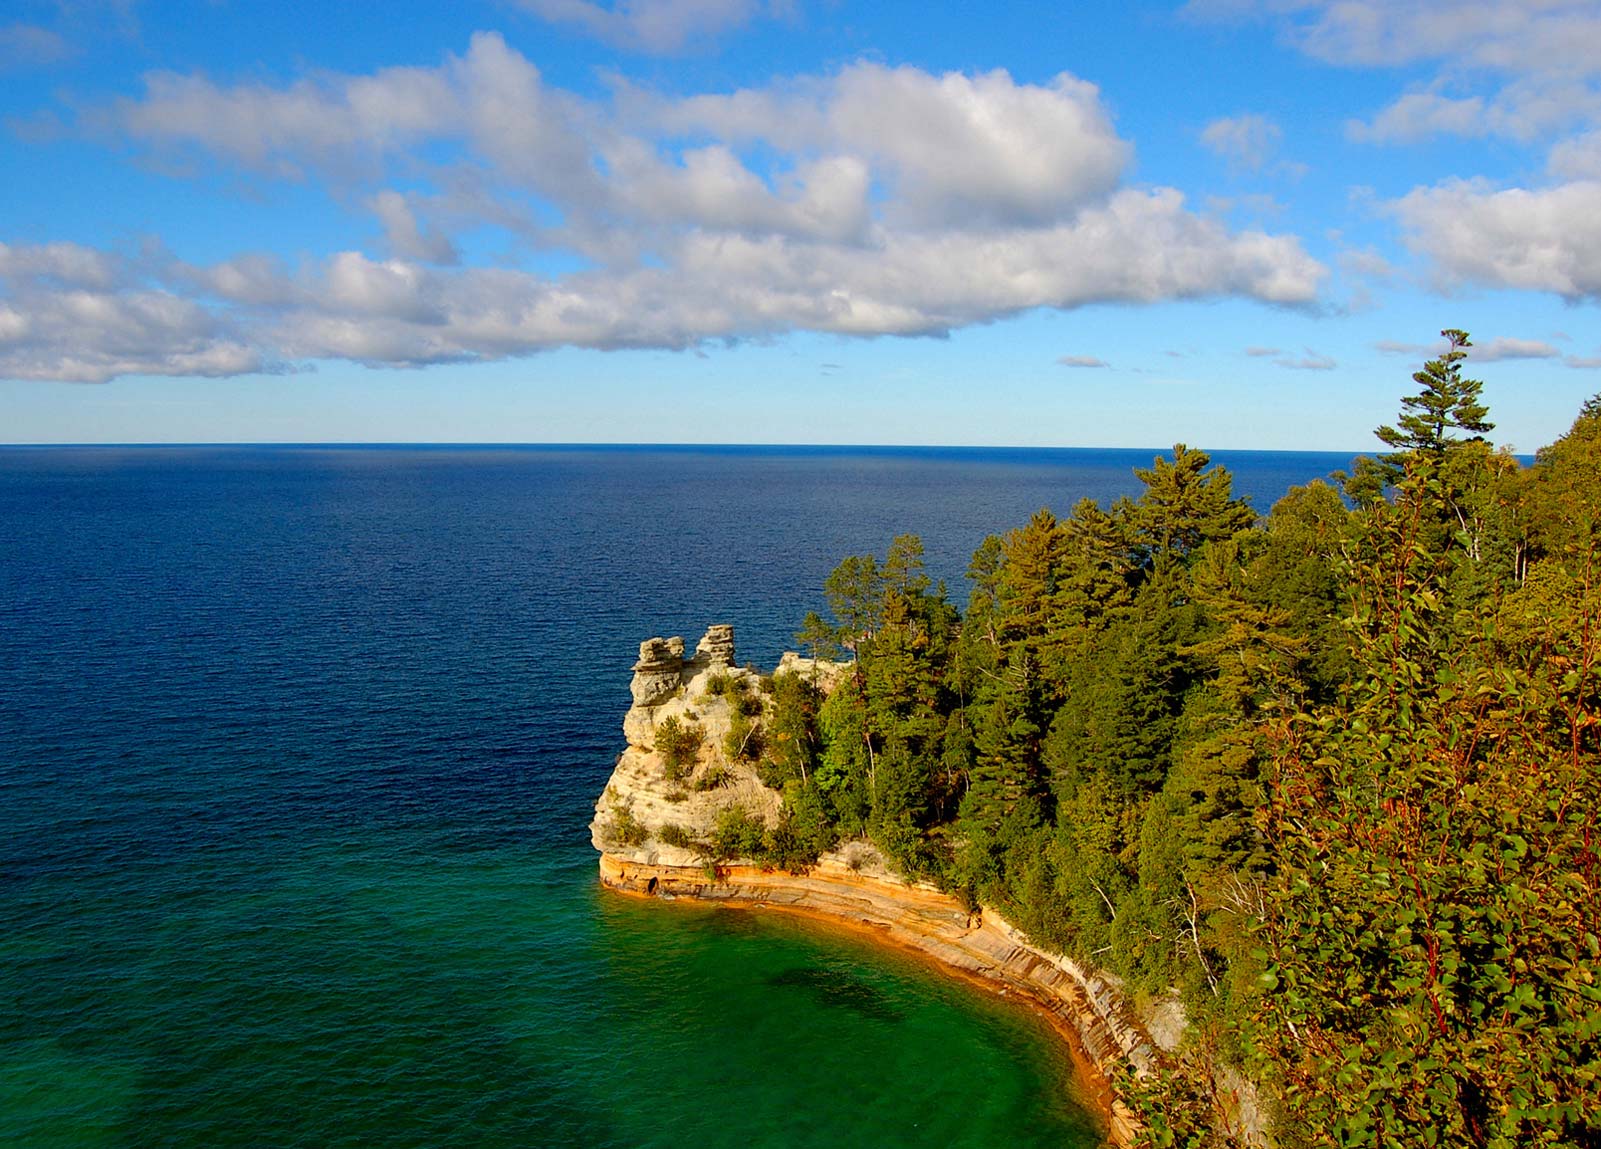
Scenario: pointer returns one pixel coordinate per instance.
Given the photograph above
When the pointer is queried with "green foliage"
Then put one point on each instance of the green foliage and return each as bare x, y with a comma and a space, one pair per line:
737, 834
793, 739
678, 743
1434, 923
711, 778
625, 829
1184, 505
744, 741
1447, 403
672, 834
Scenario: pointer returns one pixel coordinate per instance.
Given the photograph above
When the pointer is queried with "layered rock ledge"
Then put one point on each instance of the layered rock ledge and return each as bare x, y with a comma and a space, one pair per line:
650, 815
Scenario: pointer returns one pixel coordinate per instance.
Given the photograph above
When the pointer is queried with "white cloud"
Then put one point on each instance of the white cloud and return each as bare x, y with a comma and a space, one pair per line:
950, 147
77, 315
1418, 115
960, 146
1578, 158
1517, 69
1523, 111
873, 201
1506, 35
654, 26
1506, 348
1247, 141
1262, 352
1484, 351
1534, 240
1398, 347
1081, 361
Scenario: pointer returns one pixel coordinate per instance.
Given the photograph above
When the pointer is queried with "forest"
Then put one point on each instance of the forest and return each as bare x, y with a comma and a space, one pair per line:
1329, 772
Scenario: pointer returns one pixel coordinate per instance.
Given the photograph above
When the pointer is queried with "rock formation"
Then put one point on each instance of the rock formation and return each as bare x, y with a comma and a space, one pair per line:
716, 648
644, 794
659, 671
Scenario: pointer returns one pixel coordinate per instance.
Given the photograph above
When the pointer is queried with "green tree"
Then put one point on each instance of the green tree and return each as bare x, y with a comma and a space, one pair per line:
1447, 403
1183, 506
855, 593
1433, 931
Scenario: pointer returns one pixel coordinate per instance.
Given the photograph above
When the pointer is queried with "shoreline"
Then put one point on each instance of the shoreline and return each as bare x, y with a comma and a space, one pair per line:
1084, 1010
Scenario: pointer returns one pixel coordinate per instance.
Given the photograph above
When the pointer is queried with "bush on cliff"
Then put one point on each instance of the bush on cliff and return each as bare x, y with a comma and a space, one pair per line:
678, 743
625, 829
672, 834
743, 742
737, 835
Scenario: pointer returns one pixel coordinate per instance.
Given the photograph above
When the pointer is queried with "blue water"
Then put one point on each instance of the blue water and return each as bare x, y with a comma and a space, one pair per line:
297, 751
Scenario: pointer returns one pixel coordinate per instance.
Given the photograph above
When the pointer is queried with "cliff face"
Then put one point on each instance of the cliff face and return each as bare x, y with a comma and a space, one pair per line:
648, 798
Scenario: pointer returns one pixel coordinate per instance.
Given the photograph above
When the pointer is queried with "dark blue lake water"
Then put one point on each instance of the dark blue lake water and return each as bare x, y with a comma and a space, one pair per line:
297, 751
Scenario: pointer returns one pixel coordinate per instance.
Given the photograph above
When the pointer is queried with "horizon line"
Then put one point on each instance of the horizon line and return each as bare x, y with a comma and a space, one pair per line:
668, 446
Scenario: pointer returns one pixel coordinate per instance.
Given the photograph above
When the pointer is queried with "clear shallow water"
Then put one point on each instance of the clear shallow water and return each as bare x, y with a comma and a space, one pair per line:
297, 752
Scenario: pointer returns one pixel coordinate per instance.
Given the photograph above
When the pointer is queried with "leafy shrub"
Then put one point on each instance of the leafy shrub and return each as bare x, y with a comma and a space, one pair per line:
678, 743
738, 834
721, 685
710, 779
744, 740
625, 829
673, 834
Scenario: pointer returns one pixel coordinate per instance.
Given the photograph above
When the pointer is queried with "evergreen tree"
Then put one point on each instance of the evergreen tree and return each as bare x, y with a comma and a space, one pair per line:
1447, 403
1183, 506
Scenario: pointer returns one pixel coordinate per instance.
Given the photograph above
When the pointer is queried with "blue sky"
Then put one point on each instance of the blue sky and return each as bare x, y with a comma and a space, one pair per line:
1236, 223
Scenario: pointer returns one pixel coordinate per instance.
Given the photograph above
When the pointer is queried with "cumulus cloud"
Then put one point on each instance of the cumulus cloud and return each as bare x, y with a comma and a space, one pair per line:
872, 201
950, 147
1524, 111
1578, 158
1247, 141
1535, 240
1081, 361
76, 315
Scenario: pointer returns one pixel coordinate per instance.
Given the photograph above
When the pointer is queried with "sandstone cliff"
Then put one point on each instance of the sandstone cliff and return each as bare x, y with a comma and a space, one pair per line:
654, 812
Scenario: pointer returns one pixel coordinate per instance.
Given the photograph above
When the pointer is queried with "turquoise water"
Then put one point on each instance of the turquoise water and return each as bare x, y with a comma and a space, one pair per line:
297, 751
358, 996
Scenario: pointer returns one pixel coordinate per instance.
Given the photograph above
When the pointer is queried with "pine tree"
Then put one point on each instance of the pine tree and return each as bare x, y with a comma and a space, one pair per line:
1447, 403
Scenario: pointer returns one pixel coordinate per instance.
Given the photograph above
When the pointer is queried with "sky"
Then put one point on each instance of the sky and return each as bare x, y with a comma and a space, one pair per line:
1232, 223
